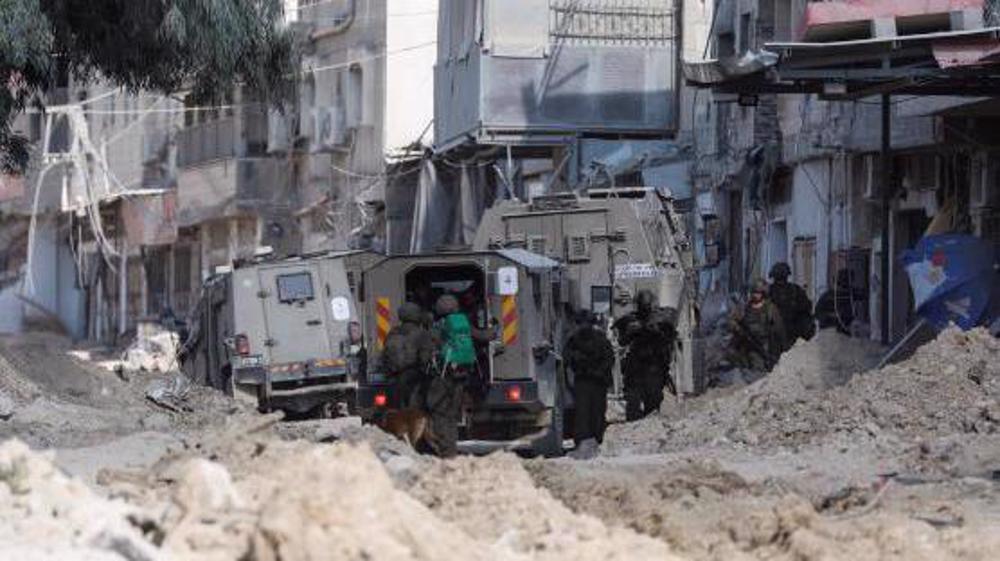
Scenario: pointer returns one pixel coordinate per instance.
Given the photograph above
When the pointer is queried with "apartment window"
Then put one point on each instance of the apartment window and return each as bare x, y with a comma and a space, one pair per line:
725, 45
782, 20
199, 112
745, 39
183, 265
804, 264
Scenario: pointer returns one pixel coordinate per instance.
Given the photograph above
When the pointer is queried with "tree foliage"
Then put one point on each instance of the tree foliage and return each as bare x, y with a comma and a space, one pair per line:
163, 45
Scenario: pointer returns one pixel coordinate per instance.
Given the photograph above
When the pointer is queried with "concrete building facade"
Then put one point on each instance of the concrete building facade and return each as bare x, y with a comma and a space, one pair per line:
795, 178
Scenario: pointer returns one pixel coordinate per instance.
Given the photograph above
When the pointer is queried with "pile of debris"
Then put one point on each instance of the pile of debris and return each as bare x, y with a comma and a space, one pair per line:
947, 386
45, 515
495, 500
153, 350
244, 493
54, 394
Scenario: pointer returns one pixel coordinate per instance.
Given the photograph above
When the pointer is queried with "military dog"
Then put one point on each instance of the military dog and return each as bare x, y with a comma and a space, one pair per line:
412, 426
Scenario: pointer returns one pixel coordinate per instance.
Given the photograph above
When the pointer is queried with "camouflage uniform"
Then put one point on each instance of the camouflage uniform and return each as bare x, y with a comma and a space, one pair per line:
589, 355
759, 334
649, 337
409, 351
793, 304
447, 389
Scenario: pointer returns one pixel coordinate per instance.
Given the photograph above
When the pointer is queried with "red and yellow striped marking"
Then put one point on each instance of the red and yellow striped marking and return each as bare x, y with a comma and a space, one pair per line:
508, 316
383, 314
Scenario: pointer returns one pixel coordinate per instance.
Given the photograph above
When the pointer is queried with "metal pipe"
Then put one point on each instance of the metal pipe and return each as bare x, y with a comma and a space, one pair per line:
886, 179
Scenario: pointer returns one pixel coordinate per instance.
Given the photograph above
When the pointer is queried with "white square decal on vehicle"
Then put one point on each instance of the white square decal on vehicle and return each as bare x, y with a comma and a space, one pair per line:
507, 281
341, 308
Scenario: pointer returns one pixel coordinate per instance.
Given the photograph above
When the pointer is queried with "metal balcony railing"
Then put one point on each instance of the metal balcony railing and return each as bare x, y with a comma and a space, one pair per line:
615, 22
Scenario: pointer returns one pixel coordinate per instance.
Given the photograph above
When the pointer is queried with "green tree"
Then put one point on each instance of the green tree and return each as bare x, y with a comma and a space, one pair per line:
206, 46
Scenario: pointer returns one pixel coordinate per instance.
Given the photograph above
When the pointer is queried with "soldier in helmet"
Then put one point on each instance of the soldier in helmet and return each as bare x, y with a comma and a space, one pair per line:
589, 355
409, 351
648, 337
793, 304
457, 351
759, 332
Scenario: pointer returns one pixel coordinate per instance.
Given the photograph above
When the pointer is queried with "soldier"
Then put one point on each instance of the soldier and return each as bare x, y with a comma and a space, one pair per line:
649, 339
589, 355
409, 350
759, 331
793, 304
458, 358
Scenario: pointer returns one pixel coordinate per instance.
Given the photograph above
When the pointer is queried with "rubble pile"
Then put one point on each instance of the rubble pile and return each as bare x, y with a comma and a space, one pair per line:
46, 515
947, 386
55, 395
258, 497
154, 350
705, 512
495, 500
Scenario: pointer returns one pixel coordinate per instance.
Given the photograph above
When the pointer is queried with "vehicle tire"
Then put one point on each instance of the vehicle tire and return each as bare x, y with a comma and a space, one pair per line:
551, 445
264, 397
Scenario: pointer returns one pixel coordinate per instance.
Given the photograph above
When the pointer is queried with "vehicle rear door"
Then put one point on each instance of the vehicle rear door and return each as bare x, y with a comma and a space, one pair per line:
296, 318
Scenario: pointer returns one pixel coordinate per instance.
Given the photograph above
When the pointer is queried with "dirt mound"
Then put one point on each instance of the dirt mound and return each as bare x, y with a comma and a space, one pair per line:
707, 513
494, 499
40, 363
348, 510
947, 386
46, 515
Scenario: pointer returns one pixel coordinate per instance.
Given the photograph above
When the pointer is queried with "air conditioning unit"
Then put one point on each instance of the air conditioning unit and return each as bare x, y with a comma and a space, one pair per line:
577, 248
984, 180
536, 244
278, 132
329, 132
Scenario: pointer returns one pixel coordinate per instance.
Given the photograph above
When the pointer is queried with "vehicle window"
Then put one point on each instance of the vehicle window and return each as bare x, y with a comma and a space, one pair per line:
295, 288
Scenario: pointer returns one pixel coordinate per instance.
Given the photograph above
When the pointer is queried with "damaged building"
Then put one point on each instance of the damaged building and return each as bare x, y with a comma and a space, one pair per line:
137, 198
790, 148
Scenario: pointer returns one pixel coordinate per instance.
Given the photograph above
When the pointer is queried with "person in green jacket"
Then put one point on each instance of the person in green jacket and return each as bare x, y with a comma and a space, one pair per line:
457, 349
458, 359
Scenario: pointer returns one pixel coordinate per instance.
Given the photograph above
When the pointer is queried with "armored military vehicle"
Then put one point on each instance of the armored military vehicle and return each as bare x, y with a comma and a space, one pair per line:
517, 392
613, 243
286, 329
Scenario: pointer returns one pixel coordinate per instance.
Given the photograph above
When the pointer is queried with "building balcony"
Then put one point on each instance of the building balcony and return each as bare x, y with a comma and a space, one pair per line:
232, 186
204, 142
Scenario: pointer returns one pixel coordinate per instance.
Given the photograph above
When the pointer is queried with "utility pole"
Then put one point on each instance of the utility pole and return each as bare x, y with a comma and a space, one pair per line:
886, 179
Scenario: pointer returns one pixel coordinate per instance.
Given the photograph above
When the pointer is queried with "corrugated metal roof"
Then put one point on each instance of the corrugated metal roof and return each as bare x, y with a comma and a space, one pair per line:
529, 259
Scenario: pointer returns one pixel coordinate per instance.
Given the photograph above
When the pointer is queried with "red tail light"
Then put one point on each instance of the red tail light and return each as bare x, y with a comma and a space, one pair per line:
381, 400
242, 344
514, 393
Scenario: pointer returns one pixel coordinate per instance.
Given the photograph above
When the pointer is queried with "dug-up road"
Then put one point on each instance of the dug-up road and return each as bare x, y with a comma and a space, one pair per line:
823, 459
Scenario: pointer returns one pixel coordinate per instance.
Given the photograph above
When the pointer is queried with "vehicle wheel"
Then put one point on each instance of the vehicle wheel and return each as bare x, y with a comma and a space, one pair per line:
228, 382
264, 398
551, 445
